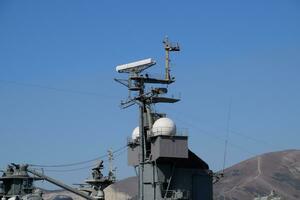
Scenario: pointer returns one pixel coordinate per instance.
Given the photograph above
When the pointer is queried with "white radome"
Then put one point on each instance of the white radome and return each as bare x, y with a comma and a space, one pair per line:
164, 126
135, 133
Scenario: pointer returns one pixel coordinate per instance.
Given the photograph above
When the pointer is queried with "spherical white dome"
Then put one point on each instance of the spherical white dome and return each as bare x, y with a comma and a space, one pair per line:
135, 133
164, 126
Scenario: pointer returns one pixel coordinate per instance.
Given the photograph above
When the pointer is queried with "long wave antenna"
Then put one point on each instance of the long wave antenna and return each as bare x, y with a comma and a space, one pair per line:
227, 136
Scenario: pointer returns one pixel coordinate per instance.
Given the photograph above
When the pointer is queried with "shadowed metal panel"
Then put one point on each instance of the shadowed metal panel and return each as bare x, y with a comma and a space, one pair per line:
202, 187
133, 156
169, 147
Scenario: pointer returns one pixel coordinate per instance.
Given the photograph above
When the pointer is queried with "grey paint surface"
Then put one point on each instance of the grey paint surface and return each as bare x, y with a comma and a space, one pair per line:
169, 147
133, 156
173, 172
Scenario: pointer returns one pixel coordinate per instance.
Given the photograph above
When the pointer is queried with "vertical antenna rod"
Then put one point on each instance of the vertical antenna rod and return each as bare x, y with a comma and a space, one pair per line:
227, 135
169, 47
110, 159
112, 170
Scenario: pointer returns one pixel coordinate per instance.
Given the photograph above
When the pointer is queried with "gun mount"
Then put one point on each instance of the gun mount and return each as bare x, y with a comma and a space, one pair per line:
98, 182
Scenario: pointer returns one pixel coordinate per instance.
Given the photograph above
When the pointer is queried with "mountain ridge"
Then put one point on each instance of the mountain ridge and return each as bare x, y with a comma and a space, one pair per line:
254, 177
259, 175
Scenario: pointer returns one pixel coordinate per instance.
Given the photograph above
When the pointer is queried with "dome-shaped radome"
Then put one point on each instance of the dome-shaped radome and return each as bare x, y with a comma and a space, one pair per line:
164, 126
135, 133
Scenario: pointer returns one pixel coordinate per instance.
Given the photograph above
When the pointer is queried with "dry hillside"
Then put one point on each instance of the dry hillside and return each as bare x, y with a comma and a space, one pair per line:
279, 171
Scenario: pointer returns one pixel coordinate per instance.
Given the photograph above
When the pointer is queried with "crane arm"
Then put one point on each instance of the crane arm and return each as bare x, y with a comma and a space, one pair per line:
60, 184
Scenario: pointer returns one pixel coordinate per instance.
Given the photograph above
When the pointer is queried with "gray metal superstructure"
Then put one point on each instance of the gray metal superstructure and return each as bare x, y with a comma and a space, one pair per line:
98, 182
17, 183
94, 188
60, 184
167, 169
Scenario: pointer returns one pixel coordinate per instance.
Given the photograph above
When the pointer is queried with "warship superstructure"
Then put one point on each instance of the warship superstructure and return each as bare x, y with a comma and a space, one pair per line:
92, 190
98, 182
166, 167
16, 183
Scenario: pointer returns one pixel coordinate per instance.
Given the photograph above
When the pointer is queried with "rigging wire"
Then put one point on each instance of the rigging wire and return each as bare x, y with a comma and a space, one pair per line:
182, 118
76, 163
54, 88
217, 137
65, 170
239, 147
98, 94
80, 168
222, 139
254, 139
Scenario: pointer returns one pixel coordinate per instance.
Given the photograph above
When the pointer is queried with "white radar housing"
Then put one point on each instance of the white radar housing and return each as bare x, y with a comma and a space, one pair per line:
164, 126
135, 133
135, 67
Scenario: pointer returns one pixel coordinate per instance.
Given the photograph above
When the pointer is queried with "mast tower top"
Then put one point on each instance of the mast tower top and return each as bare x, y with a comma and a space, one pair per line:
144, 98
169, 47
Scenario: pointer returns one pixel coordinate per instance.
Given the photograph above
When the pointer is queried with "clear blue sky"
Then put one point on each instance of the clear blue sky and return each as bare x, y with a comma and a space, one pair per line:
244, 53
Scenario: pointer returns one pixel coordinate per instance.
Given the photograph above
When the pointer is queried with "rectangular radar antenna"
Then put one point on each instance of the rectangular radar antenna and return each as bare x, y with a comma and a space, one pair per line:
136, 67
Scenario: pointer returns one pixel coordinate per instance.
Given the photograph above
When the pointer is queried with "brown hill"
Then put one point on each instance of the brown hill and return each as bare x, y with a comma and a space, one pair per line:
60, 195
258, 176
279, 171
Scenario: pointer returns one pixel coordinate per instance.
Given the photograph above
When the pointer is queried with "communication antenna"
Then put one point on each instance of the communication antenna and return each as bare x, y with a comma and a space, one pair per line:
169, 47
112, 169
110, 160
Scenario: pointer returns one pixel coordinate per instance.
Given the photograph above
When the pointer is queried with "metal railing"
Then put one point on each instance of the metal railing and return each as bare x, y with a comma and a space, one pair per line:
159, 131
175, 194
164, 130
